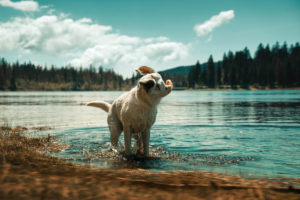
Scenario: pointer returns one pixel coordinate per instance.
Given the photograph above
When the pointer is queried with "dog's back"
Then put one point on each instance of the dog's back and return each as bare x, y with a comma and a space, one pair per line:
135, 112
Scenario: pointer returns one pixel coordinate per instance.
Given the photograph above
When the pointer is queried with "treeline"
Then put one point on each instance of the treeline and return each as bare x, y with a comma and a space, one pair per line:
271, 67
28, 76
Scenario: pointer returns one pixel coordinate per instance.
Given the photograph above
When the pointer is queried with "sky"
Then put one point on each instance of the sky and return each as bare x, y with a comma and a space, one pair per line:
124, 35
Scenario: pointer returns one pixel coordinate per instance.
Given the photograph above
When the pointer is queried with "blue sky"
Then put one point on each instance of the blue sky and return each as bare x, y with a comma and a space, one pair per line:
126, 34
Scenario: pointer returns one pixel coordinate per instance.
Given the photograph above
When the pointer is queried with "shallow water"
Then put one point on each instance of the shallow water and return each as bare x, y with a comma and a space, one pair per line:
247, 133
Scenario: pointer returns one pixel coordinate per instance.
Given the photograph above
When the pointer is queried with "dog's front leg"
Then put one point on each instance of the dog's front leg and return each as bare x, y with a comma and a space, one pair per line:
127, 140
146, 137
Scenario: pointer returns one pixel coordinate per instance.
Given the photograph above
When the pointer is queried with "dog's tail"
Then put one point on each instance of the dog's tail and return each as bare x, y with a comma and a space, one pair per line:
100, 104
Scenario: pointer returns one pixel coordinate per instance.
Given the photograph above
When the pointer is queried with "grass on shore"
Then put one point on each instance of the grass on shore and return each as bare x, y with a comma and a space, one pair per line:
27, 172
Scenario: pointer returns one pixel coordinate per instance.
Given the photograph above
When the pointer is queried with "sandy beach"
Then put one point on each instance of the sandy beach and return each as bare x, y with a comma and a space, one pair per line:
27, 172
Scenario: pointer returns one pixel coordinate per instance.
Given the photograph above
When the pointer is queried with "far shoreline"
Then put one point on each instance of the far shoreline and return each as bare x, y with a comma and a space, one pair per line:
174, 89
238, 89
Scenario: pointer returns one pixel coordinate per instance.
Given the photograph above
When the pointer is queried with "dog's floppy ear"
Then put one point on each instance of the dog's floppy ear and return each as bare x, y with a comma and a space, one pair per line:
145, 70
147, 84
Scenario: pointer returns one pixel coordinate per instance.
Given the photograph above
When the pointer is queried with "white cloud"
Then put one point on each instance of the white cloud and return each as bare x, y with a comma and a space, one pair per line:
45, 7
28, 6
131, 56
50, 34
82, 43
215, 21
157, 39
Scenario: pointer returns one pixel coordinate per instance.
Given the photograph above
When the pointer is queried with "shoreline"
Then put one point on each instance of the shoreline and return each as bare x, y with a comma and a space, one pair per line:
28, 172
175, 89
238, 89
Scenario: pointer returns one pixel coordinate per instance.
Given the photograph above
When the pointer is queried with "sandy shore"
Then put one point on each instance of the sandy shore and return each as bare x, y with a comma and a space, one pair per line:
26, 172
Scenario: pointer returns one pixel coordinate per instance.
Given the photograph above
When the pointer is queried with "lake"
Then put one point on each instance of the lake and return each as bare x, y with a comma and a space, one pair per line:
246, 133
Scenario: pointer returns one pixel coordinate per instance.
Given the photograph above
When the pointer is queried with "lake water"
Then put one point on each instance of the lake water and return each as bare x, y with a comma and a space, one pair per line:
247, 133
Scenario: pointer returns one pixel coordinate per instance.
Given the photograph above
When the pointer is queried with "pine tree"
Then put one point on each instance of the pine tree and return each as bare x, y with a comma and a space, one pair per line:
219, 74
194, 75
211, 72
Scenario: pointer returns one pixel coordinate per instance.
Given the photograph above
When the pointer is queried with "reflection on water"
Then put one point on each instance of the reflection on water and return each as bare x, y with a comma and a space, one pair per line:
251, 133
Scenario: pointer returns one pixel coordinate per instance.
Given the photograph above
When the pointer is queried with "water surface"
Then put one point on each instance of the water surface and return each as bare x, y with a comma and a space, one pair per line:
247, 133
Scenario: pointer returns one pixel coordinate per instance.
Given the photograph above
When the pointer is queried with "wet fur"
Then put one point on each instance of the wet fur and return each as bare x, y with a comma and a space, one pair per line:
134, 112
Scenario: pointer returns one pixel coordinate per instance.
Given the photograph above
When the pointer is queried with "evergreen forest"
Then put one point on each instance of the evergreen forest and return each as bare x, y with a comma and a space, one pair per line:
270, 67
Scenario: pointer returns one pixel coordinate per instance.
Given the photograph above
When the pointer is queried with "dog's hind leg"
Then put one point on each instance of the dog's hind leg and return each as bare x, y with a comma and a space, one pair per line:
146, 137
115, 132
127, 139
139, 144
116, 128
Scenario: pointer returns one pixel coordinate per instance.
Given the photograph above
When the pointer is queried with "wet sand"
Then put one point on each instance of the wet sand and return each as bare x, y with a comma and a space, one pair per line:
26, 172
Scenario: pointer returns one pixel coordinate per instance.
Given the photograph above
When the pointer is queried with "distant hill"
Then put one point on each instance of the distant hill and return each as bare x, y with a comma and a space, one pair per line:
184, 70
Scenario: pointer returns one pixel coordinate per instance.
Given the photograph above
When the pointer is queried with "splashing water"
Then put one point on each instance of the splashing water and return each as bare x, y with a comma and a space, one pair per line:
92, 146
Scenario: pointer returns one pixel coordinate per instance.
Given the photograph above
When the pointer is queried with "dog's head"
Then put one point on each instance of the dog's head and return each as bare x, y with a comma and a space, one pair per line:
152, 83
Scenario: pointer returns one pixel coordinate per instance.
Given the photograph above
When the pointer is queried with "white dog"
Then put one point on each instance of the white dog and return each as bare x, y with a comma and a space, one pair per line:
135, 112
